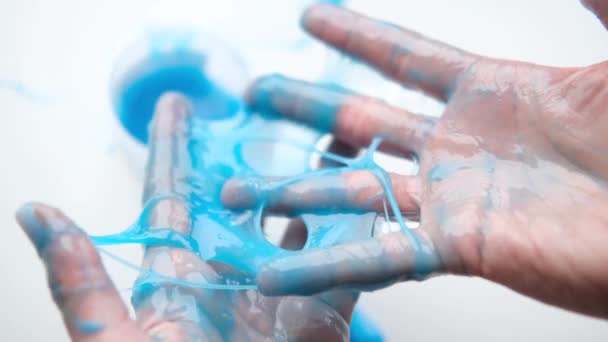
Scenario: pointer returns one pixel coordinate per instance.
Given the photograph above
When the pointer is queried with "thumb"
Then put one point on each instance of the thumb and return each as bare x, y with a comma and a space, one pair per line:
84, 293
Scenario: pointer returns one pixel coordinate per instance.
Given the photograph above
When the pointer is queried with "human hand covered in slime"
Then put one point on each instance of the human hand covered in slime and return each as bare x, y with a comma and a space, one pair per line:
168, 311
512, 184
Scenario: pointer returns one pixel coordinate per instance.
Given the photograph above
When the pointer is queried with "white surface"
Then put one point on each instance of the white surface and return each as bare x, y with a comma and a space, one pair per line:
65, 151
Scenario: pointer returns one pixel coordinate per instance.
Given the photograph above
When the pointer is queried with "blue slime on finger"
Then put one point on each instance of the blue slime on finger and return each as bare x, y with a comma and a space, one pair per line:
227, 139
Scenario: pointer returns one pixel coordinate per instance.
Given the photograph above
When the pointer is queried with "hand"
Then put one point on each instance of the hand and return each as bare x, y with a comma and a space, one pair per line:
512, 184
91, 305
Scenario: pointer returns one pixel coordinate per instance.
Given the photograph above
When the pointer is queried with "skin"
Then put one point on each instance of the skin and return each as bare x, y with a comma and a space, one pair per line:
512, 185
92, 308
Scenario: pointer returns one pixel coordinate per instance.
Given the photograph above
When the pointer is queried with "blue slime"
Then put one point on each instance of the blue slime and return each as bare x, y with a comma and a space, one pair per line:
226, 140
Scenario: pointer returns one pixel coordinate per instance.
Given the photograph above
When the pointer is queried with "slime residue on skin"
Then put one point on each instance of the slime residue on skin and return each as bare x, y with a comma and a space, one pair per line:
88, 327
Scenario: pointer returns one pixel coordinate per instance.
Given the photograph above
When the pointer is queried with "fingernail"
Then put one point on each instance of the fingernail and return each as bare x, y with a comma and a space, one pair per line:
32, 225
42, 223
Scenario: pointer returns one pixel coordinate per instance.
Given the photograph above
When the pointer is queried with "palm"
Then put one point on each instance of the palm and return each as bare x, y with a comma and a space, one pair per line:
506, 196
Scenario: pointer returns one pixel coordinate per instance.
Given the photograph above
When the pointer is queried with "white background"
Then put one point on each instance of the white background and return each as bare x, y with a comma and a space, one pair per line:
60, 143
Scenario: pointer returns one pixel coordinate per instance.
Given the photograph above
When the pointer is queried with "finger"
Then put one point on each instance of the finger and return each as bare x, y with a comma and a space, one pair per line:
405, 56
83, 291
364, 265
165, 308
170, 162
168, 173
354, 119
353, 191
599, 8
